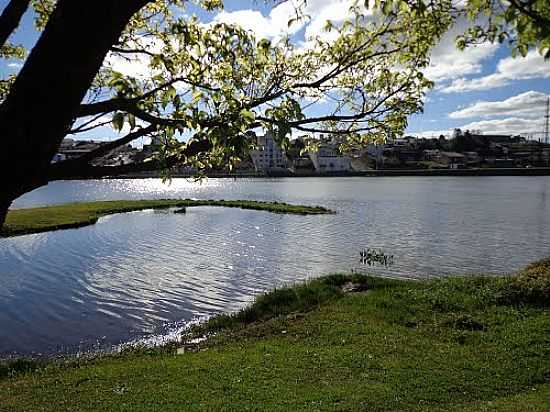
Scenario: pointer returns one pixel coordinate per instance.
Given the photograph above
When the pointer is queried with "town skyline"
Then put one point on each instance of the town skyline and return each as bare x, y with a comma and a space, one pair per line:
324, 155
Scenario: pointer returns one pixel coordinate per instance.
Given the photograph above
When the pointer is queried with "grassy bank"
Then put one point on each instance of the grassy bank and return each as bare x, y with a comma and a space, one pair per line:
460, 344
43, 219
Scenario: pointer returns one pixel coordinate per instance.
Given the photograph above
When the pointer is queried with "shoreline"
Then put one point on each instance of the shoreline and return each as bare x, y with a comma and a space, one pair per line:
349, 341
535, 171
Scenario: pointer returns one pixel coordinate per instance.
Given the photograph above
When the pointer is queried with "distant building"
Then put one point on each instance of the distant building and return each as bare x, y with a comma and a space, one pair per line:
472, 159
66, 143
157, 141
76, 148
268, 156
495, 138
433, 155
301, 165
375, 152
453, 160
329, 159
73, 149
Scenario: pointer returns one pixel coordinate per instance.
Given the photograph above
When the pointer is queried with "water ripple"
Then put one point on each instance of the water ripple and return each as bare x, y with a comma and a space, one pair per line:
148, 273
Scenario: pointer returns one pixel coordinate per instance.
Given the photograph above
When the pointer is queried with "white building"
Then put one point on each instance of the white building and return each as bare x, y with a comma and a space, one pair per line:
329, 159
376, 152
268, 155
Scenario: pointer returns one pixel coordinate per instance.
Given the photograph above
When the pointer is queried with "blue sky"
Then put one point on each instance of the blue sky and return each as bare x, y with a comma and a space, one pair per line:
482, 88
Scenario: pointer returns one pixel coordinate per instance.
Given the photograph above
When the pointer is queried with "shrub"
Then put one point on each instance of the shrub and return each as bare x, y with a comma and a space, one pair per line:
530, 286
18, 366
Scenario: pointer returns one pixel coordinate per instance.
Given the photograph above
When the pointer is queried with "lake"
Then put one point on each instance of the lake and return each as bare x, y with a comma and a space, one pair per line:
145, 275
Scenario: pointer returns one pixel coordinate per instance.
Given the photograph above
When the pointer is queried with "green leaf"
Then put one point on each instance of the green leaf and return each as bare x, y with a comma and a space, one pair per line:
197, 96
248, 115
132, 121
118, 121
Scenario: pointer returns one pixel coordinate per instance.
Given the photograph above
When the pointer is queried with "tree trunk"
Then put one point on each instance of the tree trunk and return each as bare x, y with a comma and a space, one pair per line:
10, 18
45, 98
4, 206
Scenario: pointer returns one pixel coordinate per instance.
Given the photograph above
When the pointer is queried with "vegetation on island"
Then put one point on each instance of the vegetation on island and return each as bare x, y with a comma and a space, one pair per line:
273, 207
73, 215
343, 342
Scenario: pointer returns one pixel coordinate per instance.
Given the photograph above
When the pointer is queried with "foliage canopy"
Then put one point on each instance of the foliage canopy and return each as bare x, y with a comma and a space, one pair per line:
213, 83
201, 88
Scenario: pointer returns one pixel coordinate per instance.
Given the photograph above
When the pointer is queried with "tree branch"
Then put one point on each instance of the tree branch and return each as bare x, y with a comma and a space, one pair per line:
339, 69
108, 147
119, 50
81, 170
106, 106
120, 103
333, 131
89, 125
528, 11
10, 18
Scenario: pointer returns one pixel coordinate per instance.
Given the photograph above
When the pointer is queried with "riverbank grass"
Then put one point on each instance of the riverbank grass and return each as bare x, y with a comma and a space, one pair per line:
457, 344
73, 215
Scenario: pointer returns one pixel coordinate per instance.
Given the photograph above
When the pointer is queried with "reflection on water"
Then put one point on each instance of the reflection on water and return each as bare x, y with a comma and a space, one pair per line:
143, 273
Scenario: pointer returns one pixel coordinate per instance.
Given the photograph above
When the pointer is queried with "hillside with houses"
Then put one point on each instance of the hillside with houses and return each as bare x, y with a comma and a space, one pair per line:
329, 155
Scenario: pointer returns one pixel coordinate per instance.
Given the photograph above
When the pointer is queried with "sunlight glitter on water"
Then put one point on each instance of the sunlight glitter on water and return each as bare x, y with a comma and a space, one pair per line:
130, 275
173, 186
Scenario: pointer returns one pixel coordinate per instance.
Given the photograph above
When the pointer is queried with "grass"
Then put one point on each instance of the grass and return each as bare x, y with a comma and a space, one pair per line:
73, 215
458, 344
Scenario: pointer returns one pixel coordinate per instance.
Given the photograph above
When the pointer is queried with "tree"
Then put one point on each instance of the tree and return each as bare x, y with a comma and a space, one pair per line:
43, 100
524, 24
210, 84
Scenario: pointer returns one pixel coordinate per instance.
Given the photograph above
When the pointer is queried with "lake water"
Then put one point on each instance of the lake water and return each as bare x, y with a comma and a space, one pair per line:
146, 274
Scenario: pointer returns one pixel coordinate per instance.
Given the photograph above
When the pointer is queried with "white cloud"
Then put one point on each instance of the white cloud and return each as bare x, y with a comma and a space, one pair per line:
137, 67
430, 134
322, 11
15, 65
483, 83
532, 66
272, 26
135, 64
275, 25
447, 62
528, 104
510, 125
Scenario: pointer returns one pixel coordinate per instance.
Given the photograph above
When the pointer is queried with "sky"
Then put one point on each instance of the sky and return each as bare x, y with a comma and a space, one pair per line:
482, 88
